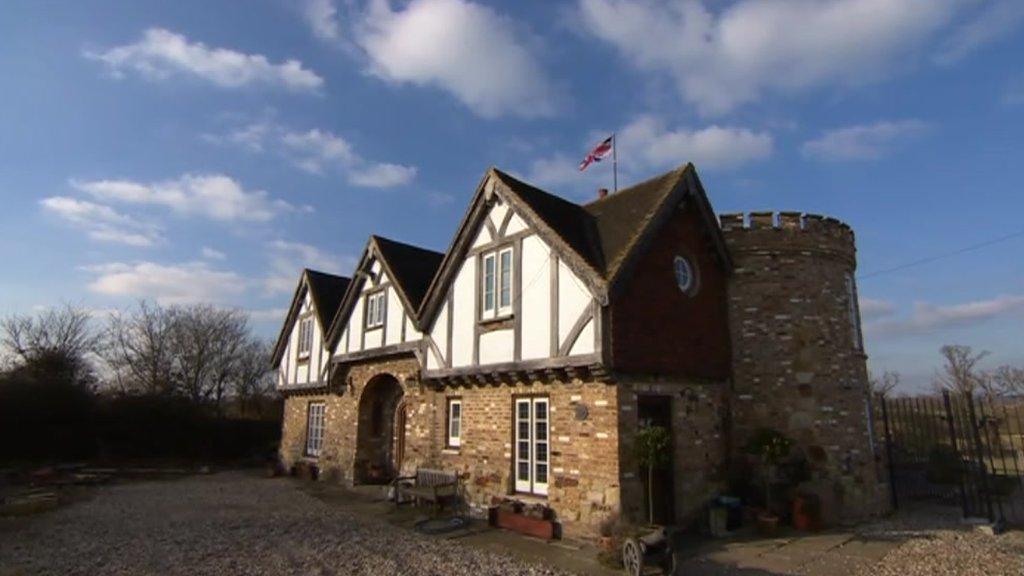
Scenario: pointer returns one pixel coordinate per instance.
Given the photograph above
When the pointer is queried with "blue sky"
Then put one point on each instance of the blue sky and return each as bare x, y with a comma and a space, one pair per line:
201, 151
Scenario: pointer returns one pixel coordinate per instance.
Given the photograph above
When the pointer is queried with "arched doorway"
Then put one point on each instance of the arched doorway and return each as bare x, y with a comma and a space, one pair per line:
379, 441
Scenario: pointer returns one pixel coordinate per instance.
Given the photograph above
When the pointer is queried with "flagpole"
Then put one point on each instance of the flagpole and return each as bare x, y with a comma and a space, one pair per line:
615, 164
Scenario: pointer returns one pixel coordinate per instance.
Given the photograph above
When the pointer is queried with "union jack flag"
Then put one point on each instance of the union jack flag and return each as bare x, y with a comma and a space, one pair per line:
600, 152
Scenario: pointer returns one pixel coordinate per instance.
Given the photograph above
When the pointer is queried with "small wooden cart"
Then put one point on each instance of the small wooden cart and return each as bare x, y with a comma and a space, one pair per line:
654, 549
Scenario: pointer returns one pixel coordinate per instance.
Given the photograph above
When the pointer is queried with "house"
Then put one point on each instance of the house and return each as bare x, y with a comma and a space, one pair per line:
528, 354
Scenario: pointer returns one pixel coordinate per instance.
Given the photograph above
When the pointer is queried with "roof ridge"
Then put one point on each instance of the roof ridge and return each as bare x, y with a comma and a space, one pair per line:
378, 238
681, 169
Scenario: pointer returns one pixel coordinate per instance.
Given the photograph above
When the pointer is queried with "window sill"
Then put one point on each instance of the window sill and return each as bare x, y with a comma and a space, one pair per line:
499, 323
372, 328
529, 498
451, 450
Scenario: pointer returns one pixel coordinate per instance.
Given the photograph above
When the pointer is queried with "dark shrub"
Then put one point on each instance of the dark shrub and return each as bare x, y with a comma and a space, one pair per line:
944, 465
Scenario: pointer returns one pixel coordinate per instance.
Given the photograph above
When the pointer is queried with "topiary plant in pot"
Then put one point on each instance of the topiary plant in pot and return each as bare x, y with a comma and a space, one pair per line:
653, 451
771, 446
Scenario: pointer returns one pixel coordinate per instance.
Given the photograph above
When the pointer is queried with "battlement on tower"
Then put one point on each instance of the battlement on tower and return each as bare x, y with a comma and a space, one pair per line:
789, 231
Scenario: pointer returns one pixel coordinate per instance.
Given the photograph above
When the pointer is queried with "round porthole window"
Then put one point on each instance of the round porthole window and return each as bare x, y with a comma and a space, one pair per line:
686, 275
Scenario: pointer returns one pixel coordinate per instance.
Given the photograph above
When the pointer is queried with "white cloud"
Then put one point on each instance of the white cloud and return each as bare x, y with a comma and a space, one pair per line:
466, 49
713, 146
184, 283
382, 175
213, 196
275, 315
317, 148
647, 144
317, 151
993, 22
322, 17
100, 222
862, 142
212, 253
729, 54
252, 136
872, 309
927, 317
161, 54
287, 259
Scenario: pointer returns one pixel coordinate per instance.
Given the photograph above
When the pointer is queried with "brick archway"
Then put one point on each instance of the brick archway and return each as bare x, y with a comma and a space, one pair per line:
375, 461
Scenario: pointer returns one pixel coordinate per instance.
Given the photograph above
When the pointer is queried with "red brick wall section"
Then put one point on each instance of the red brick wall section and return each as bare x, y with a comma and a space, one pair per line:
656, 328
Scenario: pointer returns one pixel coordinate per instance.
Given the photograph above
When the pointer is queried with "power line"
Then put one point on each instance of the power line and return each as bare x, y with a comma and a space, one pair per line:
930, 259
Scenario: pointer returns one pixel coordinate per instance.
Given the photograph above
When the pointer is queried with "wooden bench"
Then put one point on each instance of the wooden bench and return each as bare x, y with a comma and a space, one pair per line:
432, 485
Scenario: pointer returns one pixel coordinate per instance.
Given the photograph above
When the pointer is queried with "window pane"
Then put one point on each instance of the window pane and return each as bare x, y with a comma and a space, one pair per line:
542, 432
506, 279
541, 410
524, 430
524, 471
489, 283
524, 410
524, 450
542, 452
542, 473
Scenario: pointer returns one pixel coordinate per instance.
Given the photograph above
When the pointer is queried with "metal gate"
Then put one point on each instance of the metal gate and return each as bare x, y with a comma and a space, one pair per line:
959, 450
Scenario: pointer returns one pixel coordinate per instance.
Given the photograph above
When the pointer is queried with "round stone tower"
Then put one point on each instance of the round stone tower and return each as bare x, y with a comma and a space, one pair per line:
798, 359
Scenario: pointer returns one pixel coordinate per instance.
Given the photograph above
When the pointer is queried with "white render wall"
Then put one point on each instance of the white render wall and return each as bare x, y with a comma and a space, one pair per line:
396, 316
496, 342
536, 299
291, 371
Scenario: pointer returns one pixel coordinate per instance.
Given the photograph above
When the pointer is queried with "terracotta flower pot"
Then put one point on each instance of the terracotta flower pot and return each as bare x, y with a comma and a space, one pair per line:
807, 513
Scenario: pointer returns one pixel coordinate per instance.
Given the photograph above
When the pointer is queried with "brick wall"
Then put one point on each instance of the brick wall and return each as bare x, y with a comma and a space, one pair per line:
655, 327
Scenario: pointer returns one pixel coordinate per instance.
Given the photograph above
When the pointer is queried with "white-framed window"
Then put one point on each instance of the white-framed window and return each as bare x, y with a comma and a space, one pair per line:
496, 283
454, 422
305, 336
686, 275
851, 298
531, 454
376, 306
314, 428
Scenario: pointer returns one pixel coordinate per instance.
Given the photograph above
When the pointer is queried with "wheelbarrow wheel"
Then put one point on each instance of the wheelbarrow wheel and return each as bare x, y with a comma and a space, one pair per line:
632, 557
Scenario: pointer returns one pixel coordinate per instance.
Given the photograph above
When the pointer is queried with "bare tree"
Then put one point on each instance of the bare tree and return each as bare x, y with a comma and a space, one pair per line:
205, 342
960, 373
885, 385
58, 339
1007, 380
138, 347
65, 330
254, 379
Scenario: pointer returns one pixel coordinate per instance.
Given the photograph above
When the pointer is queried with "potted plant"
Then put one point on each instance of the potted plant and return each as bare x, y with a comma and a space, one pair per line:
771, 447
807, 511
653, 451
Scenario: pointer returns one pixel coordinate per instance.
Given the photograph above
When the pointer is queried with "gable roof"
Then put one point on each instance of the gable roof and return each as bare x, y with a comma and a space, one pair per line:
601, 237
410, 268
568, 220
326, 291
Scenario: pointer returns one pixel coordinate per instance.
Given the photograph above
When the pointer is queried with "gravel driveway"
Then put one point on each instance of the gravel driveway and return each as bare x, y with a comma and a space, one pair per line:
236, 523
226, 524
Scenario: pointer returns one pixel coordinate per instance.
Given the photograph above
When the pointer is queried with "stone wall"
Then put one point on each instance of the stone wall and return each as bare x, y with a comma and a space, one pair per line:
798, 366
584, 485
699, 442
584, 455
